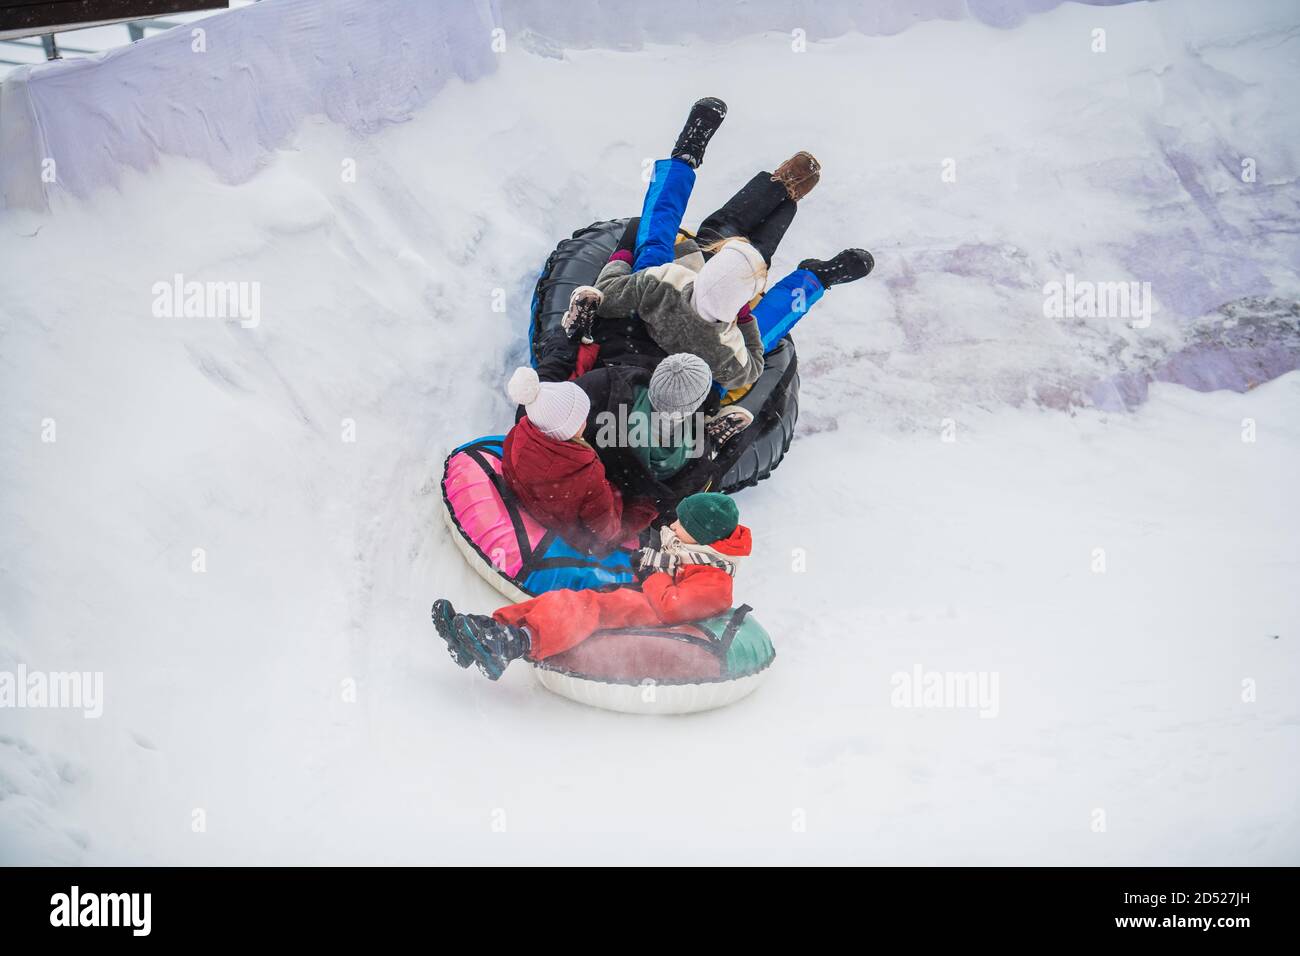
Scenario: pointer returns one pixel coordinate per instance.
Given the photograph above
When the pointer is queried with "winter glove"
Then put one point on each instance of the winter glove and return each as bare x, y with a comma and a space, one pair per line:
725, 426
581, 315
650, 560
557, 357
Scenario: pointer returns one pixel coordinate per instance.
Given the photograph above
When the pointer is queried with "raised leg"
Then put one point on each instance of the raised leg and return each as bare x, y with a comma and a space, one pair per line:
783, 305
767, 236
661, 213
559, 620
744, 212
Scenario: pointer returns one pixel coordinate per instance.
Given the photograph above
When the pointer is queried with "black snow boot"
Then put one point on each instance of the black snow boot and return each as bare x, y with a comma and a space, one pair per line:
706, 116
490, 644
444, 617
848, 265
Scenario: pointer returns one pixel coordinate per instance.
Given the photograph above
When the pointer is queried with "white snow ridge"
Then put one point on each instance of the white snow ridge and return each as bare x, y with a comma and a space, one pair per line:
1069, 536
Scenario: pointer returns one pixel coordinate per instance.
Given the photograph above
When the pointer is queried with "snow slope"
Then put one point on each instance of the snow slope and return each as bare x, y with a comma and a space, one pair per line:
1120, 691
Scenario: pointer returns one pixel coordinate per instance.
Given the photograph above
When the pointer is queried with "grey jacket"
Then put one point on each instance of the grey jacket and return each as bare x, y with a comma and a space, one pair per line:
661, 296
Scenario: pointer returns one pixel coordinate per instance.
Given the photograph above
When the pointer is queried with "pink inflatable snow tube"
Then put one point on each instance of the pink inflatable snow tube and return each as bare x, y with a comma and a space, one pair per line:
511, 549
476, 504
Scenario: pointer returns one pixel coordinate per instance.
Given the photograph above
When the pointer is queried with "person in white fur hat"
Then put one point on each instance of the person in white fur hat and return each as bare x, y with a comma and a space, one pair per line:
695, 294
556, 476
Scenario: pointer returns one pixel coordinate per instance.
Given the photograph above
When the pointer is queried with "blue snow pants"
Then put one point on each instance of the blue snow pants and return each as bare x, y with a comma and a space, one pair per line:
662, 212
785, 304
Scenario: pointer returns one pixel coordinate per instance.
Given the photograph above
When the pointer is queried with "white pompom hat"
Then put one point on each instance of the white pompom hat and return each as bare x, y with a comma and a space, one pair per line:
558, 409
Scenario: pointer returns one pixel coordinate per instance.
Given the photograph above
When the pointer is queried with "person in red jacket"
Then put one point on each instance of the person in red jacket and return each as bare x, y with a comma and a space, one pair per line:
689, 578
557, 477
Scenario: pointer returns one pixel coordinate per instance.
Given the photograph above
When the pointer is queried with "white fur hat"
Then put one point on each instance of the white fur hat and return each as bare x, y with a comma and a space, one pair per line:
558, 409
734, 275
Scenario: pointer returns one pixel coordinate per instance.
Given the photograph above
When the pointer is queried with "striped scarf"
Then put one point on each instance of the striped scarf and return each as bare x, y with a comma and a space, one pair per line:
674, 553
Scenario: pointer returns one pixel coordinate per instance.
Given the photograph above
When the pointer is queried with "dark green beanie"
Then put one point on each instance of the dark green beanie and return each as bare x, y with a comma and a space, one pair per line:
708, 516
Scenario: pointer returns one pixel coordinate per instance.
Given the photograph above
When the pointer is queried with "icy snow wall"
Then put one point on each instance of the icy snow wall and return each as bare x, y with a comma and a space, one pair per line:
1202, 208
234, 88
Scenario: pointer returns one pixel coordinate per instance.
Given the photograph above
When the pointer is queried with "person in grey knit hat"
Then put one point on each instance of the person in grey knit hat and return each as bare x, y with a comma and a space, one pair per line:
679, 384
680, 402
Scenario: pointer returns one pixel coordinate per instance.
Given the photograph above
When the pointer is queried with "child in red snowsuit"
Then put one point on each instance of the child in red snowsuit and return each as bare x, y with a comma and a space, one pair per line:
690, 577
557, 477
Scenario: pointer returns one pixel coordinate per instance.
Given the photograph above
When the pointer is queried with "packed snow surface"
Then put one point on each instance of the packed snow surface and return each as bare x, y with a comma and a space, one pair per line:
974, 487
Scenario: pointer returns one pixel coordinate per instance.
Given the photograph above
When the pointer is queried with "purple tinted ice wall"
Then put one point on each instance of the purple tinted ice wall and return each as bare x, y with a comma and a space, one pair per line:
362, 63
263, 69
605, 24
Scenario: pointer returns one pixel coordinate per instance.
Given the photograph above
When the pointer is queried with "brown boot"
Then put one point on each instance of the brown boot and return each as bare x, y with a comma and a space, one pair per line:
798, 174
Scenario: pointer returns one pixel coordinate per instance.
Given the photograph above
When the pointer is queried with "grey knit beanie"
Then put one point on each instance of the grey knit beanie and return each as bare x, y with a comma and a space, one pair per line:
680, 384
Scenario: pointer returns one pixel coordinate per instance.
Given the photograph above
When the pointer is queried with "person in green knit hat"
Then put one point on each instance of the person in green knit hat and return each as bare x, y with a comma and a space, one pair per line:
688, 577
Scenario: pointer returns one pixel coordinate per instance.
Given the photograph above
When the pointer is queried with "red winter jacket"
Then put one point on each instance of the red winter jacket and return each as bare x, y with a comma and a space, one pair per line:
559, 620
563, 485
696, 591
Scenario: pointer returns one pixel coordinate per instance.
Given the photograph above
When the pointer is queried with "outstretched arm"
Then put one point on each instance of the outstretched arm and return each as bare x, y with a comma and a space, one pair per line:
621, 289
557, 356
695, 593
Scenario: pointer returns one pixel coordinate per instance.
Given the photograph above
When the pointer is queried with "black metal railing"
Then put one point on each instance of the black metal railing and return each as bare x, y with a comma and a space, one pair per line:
51, 49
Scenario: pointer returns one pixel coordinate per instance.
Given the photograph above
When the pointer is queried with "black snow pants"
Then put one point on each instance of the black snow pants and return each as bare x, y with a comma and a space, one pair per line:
761, 212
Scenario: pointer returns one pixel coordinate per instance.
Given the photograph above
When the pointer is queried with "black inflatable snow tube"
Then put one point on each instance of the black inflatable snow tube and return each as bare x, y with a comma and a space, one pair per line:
774, 399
